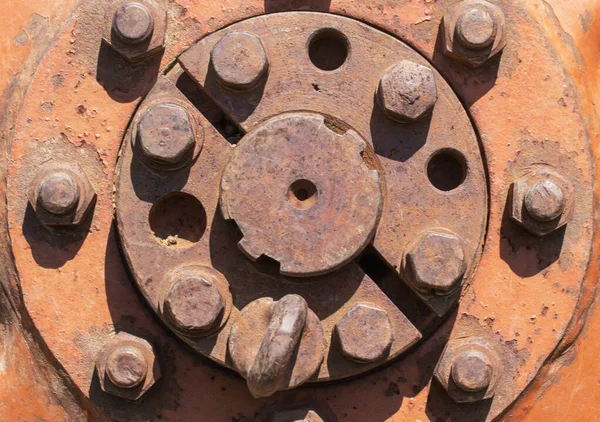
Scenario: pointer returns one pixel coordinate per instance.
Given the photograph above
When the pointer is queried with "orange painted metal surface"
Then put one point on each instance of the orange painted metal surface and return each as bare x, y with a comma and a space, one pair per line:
77, 295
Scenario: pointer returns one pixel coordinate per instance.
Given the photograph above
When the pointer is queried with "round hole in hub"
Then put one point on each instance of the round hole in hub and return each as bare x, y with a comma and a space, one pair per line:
302, 194
328, 49
178, 220
447, 170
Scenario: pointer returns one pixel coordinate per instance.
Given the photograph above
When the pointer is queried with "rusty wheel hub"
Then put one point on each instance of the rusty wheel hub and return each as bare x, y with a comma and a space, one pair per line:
301, 197
310, 192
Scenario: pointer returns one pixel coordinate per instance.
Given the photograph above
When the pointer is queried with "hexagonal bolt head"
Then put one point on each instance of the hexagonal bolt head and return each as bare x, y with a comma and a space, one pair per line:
127, 366
166, 135
61, 195
542, 201
297, 415
545, 201
239, 61
469, 369
473, 32
476, 28
435, 263
195, 300
193, 303
133, 23
364, 334
407, 92
135, 29
472, 371
58, 193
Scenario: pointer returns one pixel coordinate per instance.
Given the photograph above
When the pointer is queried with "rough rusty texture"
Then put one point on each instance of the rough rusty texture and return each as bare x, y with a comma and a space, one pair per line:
279, 345
434, 265
364, 334
515, 131
407, 92
135, 30
265, 338
545, 201
412, 204
474, 31
469, 370
139, 191
239, 61
194, 303
476, 28
195, 300
133, 23
472, 371
127, 366
62, 195
267, 189
542, 201
58, 193
166, 135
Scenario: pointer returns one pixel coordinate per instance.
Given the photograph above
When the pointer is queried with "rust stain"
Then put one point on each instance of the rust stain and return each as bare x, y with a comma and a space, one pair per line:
77, 292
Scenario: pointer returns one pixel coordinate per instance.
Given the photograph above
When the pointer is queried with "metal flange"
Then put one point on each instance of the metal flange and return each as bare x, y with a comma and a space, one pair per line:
433, 180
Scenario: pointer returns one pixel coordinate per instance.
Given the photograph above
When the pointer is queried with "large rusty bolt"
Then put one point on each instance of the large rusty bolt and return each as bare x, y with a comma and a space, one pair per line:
542, 201
239, 61
135, 29
472, 371
133, 23
127, 366
407, 92
167, 136
435, 262
476, 28
62, 195
276, 345
545, 201
364, 334
469, 369
58, 193
474, 32
195, 302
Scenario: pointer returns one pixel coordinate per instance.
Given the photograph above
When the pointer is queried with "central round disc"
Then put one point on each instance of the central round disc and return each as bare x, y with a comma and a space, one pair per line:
302, 194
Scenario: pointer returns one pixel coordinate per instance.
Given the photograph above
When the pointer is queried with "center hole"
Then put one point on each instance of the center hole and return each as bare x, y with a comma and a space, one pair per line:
302, 194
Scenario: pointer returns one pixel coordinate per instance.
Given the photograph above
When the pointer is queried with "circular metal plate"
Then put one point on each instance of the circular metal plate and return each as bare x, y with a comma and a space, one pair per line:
521, 295
251, 180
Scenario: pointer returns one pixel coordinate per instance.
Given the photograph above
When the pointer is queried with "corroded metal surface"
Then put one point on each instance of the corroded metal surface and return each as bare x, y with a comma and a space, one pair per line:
474, 32
542, 201
62, 195
407, 92
541, 276
470, 370
135, 29
435, 263
127, 366
239, 61
195, 300
267, 189
305, 190
412, 204
276, 345
364, 334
